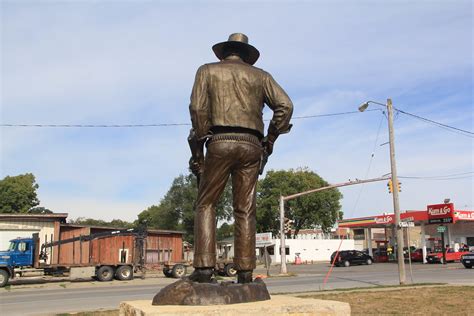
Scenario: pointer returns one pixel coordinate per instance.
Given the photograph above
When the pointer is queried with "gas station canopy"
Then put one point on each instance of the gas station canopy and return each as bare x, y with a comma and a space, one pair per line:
434, 214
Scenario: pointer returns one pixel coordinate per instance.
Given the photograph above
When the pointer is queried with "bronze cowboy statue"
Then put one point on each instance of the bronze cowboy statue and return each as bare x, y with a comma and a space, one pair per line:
226, 113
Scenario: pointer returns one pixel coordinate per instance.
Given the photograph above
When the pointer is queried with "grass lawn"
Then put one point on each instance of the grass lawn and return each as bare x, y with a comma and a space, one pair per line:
442, 300
408, 300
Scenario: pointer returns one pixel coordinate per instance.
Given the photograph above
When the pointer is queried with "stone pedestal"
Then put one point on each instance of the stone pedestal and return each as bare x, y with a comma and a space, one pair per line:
185, 292
277, 305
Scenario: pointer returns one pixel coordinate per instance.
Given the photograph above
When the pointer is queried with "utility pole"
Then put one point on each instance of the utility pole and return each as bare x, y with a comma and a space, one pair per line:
283, 269
396, 203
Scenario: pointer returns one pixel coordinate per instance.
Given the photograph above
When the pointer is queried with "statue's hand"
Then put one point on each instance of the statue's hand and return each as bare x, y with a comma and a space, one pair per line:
267, 145
195, 166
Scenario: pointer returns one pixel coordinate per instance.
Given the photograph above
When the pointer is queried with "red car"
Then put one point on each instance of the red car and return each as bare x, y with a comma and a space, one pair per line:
451, 256
417, 255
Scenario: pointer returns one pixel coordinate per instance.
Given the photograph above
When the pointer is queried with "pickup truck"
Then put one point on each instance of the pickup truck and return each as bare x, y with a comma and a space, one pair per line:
468, 260
451, 256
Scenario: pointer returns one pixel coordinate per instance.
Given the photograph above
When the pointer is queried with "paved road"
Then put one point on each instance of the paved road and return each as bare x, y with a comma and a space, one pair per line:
51, 298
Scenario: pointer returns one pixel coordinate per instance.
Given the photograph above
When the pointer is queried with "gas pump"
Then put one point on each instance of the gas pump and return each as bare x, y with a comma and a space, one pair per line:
380, 255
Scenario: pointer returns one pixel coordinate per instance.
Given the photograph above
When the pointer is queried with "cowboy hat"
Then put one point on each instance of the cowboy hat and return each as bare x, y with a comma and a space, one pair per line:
237, 42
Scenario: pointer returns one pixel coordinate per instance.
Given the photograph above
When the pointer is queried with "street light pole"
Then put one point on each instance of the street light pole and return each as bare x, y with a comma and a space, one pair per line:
283, 269
396, 202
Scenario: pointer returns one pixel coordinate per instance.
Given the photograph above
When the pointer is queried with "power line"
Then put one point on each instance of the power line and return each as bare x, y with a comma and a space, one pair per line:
444, 126
155, 125
331, 114
443, 176
359, 193
441, 125
371, 160
455, 176
96, 125
437, 179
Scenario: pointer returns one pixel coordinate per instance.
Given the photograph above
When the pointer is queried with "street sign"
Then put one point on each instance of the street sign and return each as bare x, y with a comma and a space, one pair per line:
407, 224
263, 239
446, 220
441, 229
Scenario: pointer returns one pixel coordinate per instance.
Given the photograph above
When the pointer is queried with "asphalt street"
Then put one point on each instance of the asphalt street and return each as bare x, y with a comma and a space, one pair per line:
52, 298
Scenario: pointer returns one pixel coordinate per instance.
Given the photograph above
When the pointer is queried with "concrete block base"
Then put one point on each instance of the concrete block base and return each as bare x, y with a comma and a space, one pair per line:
277, 305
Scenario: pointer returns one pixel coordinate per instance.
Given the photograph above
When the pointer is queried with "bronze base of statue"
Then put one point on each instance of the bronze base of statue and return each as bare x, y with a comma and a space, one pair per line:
186, 292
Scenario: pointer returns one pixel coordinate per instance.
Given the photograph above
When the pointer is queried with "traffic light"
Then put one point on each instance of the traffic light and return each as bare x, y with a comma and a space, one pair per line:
390, 186
287, 224
399, 186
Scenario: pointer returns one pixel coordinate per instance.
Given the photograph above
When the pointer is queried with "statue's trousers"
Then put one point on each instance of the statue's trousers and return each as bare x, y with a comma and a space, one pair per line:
240, 160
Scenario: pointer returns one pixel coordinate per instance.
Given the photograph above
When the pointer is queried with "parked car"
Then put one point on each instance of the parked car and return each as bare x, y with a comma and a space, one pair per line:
451, 256
468, 260
350, 257
405, 251
417, 255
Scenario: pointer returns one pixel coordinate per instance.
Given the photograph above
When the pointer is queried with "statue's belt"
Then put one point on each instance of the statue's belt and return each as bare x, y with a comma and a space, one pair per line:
233, 137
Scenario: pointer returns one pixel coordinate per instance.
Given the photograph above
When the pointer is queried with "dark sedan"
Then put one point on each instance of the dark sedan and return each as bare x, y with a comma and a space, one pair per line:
345, 258
468, 260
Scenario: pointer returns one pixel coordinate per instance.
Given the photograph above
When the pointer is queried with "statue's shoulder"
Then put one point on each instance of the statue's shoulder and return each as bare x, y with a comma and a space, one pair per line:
212, 65
259, 70
224, 63
253, 68
209, 67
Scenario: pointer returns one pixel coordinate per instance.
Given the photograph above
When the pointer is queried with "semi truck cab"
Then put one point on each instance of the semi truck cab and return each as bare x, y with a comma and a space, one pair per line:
19, 253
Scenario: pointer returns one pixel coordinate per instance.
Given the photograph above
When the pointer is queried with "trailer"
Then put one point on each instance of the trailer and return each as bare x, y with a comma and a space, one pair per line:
225, 267
104, 255
179, 270
172, 269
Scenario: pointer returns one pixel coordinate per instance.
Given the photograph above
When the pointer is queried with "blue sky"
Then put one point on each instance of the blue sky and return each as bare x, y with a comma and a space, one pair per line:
133, 62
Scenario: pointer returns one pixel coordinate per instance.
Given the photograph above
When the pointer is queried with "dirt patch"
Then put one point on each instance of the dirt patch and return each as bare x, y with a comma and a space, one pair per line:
445, 300
114, 312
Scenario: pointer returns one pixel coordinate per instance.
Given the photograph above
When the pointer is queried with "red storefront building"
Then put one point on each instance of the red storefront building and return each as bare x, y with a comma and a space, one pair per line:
458, 227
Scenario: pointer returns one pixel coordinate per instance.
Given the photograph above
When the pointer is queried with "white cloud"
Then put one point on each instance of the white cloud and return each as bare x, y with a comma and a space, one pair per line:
99, 208
134, 62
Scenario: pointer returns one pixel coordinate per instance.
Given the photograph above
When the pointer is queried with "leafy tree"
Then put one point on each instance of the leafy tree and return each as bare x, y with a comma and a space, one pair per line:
160, 217
99, 222
225, 231
176, 209
320, 209
121, 223
18, 193
39, 210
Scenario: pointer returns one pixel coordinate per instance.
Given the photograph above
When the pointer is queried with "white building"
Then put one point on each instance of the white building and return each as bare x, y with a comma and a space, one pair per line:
309, 250
311, 246
25, 225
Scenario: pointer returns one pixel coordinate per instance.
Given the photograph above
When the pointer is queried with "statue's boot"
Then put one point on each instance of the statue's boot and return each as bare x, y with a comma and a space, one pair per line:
202, 275
244, 276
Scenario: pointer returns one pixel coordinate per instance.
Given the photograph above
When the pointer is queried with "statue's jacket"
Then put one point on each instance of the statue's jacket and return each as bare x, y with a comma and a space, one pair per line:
232, 93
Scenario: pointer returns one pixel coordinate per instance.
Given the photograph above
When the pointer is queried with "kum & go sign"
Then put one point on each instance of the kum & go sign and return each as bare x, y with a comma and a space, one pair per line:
464, 215
441, 213
385, 219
